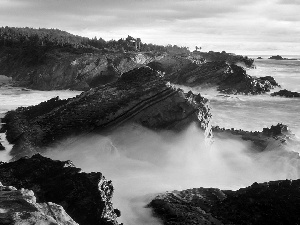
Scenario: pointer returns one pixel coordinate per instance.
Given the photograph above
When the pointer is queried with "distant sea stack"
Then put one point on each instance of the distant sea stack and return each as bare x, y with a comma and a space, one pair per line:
259, 57
286, 93
278, 57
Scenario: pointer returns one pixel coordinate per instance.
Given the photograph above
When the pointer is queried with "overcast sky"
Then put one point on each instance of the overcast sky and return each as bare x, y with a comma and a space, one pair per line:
239, 26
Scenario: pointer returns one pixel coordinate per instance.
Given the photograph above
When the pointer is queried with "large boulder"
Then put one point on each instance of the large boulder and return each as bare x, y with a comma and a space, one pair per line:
86, 197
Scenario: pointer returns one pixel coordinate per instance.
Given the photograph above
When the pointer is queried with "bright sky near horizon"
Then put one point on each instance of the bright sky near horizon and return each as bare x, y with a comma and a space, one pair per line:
238, 26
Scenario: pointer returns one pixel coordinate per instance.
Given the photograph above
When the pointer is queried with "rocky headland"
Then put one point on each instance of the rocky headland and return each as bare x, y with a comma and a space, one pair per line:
68, 70
274, 202
286, 93
55, 186
140, 96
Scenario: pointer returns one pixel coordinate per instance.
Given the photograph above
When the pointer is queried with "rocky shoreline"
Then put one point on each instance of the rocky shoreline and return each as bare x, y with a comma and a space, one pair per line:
121, 91
86, 197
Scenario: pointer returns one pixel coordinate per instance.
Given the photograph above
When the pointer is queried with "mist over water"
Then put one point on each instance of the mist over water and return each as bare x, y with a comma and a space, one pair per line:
142, 163
14, 97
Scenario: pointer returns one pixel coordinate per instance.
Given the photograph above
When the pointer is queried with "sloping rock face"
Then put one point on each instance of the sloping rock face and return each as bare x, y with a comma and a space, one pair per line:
275, 202
139, 96
286, 93
67, 70
86, 197
20, 207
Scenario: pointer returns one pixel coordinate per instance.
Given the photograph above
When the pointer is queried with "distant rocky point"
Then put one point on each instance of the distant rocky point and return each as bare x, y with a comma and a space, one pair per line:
278, 57
228, 78
259, 57
286, 93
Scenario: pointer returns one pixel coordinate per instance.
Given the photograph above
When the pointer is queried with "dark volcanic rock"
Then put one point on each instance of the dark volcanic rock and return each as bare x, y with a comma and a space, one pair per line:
139, 96
275, 202
86, 197
286, 93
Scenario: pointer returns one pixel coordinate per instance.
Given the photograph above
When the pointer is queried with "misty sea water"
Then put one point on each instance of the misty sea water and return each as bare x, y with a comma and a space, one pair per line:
145, 163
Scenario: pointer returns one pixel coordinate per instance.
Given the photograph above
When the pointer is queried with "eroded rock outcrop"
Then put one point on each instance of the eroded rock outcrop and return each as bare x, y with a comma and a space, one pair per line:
140, 96
86, 197
20, 207
274, 202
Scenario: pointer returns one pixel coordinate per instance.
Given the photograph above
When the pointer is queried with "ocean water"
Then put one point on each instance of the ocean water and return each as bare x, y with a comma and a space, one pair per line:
142, 163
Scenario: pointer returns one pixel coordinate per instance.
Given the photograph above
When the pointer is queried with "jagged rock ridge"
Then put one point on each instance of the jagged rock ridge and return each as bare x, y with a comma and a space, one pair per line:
86, 197
139, 96
228, 78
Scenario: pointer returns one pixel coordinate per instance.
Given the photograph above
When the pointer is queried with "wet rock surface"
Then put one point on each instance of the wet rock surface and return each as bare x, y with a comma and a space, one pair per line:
20, 207
86, 197
274, 202
140, 96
